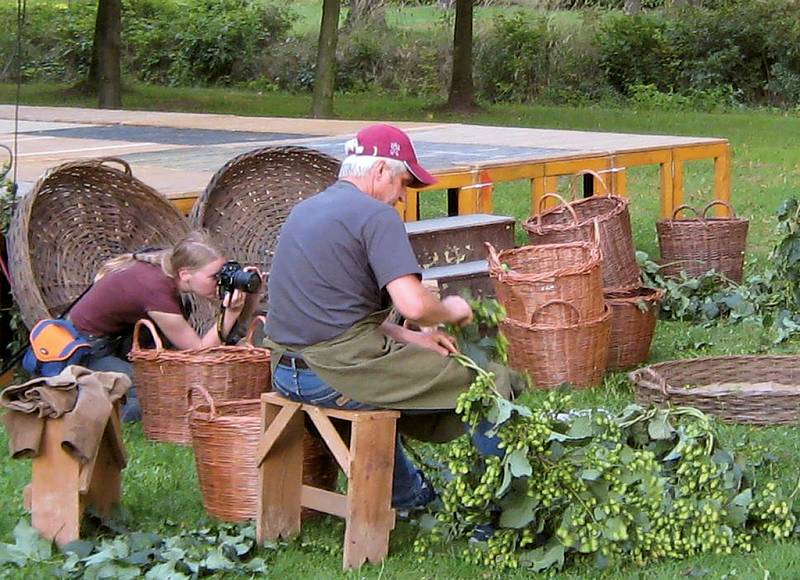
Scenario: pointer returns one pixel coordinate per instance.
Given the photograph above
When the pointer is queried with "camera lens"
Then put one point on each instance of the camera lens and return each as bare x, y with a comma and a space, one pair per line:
246, 281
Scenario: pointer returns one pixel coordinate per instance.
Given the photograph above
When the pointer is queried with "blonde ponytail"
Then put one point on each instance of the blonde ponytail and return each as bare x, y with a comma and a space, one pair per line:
194, 251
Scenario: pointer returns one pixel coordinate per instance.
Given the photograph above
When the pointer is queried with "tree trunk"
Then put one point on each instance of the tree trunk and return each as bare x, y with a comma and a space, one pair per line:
462, 91
105, 73
633, 7
361, 12
325, 77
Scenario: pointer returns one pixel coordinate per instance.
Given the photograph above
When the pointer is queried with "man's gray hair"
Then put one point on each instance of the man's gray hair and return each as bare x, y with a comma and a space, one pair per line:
359, 165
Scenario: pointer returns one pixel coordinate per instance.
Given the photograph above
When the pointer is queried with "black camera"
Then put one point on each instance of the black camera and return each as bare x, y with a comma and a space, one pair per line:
233, 277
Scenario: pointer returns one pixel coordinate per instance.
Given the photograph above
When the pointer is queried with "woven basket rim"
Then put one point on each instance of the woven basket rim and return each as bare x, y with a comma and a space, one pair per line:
533, 224
593, 260
247, 353
643, 294
642, 381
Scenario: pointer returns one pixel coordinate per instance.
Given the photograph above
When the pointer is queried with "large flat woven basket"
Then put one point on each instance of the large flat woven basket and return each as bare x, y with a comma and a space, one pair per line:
77, 216
163, 378
759, 390
247, 201
225, 436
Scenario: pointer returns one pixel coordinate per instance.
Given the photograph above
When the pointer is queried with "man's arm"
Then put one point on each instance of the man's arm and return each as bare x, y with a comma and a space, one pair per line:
419, 305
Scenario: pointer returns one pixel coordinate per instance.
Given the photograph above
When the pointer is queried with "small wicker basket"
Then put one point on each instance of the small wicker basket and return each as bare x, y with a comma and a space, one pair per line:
528, 277
574, 222
633, 321
573, 352
225, 437
162, 378
695, 246
757, 390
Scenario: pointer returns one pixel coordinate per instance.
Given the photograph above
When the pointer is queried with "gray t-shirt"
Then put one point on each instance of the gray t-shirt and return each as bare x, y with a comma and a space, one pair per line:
336, 253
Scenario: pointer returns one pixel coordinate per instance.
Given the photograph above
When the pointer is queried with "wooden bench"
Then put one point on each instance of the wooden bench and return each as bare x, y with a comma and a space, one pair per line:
62, 488
368, 463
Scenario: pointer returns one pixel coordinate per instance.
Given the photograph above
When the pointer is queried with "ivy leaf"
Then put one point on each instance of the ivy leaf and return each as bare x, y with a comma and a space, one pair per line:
216, 560
518, 511
81, 548
165, 571
10, 554
581, 428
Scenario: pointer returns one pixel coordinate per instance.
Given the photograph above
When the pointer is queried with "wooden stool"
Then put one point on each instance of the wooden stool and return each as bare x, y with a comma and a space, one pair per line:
62, 488
368, 464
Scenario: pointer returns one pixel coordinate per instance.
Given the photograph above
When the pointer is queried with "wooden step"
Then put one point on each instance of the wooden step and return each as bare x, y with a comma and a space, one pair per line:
452, 279
456, 239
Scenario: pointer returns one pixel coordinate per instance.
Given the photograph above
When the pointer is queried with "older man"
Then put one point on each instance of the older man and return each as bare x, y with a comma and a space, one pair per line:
343, 259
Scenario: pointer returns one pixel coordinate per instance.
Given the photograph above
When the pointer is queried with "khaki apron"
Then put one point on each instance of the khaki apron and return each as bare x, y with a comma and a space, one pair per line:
367, 366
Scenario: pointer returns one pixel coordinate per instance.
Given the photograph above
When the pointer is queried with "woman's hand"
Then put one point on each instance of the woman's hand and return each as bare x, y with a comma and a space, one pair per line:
435, 340
234, 303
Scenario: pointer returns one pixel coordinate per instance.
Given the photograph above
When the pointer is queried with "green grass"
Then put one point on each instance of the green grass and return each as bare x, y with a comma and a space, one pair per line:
161, 484
421, 18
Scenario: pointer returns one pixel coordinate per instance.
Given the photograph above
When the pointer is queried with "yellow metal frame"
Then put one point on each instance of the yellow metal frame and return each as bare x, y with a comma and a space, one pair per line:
475, 184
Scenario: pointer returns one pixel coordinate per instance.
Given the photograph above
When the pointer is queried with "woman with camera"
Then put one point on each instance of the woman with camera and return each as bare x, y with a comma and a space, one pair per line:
148, 285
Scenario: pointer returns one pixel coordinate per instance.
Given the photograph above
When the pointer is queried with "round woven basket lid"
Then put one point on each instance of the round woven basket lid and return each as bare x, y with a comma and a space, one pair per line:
77, 216
248, 200
250, 197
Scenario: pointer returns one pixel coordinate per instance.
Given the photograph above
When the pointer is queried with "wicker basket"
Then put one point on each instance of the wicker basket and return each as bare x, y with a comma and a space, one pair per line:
633, 320
162, 378
573, 353
573, 222
757, 390
248, 200
225, 437
528, 277
77, 216
695, 246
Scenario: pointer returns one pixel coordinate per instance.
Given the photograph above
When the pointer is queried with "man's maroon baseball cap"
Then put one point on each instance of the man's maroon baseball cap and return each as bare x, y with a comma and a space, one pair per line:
387, 141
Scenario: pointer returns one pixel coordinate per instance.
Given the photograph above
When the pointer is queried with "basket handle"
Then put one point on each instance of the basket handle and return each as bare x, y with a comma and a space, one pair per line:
151, 327
549, 303
651, 376
126, 168
680, 208
729, 207
492, 256
563, 202
251, 330
209, 399
574, 181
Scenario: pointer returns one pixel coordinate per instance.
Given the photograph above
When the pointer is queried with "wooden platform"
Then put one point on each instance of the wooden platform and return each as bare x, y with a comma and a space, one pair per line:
177, 153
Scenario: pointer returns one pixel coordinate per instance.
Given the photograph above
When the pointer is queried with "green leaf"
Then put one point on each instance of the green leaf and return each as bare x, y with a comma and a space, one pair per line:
29, 542
591, 474
216, 560
257, 565
744, 498
518, 462
544, 557
165, 571
659, 427
80, 548
581, 428
10, 554
518, 511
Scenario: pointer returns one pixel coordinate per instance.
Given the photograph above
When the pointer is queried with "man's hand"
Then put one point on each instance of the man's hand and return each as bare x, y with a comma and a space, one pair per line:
435, 340
459, 309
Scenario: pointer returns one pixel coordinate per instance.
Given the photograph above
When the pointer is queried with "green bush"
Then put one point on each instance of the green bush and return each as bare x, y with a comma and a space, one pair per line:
634, 51
512, 57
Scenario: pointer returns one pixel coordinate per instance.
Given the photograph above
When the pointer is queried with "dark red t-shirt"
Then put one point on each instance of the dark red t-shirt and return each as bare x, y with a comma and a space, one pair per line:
120, 298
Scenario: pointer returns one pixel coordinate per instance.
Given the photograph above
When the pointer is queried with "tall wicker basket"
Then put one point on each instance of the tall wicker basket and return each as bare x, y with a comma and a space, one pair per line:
695, 246
528, 277
574, 222
77, 216
162, 378
225, 437
633, 321
573, 352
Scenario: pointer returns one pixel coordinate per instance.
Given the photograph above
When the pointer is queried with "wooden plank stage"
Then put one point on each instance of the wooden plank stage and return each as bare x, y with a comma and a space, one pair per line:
178, 153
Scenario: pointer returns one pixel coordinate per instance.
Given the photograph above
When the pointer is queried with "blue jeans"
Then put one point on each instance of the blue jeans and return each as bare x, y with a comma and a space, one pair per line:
304, 386
103, 357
